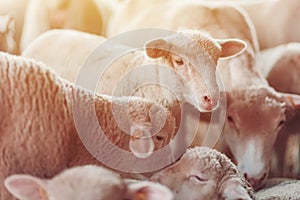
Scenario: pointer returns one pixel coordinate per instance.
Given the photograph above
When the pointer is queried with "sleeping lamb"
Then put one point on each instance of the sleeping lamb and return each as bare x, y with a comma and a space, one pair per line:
204, 173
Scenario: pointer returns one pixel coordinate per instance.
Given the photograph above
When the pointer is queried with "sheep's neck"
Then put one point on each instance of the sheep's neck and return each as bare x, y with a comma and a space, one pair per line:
238, 73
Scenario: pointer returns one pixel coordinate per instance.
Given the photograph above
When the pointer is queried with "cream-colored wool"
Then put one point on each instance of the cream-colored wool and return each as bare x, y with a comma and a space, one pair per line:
38, 131
204, 173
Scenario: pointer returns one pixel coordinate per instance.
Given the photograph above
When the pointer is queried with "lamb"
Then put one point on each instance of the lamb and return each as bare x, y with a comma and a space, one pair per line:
280, 189
273, 63
47, 124
204, 173
50, 14
255, 111
7, 32
84, 182
204, 89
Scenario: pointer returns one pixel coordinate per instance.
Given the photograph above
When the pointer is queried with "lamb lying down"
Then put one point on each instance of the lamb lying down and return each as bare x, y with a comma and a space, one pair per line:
280, 189
85, 182
204, 173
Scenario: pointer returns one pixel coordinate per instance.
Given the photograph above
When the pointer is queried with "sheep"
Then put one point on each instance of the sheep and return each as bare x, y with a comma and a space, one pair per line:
204, 173
48, 124
43, 15
255, 112
201, 91
16, 10
204, 94
7, 31
280, 189
84, 182
273, 63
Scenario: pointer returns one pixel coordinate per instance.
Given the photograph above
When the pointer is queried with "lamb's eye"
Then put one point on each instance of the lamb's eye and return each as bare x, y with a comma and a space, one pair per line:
179, 62
230, 119
197, 178
159, 138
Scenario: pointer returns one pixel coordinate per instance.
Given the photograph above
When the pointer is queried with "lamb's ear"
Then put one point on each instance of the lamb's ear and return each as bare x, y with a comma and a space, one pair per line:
148, 190
141, 143
158, 117
231, 47
231, 189
157, 48
26, 187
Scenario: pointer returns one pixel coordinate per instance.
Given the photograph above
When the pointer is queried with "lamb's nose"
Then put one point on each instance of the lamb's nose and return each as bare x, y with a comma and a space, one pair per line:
256, 182
209, 102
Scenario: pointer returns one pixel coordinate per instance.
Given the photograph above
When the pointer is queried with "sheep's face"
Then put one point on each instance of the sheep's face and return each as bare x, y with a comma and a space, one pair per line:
188, 178
194, 55
198, 175
253, 122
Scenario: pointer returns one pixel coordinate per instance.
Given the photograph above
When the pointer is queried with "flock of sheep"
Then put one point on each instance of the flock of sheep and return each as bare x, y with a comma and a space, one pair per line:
59, 140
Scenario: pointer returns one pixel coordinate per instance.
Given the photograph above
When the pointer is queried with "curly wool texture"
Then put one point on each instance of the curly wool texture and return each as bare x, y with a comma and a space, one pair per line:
38, 133
217, 163
204, 173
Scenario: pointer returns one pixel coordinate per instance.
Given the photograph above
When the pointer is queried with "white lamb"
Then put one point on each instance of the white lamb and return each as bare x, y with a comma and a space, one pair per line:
203, 93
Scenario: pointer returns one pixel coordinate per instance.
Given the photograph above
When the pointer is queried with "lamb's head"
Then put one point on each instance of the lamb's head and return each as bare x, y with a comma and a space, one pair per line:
254, 118
84, 182
204, 173
150, 127
194, 55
